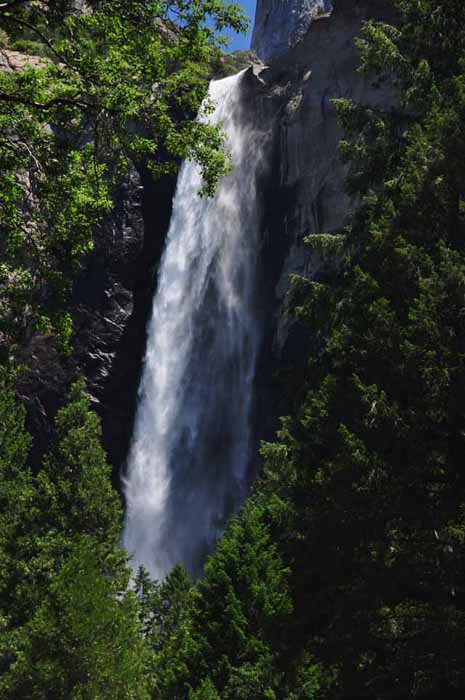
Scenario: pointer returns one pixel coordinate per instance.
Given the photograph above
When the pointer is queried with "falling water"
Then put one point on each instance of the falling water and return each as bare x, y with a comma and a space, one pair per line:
187, 467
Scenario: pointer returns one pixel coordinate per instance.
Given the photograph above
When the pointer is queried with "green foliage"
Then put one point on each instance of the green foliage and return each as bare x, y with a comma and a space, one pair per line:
83, 640
4, 39
223, 637
70, 626
74, 482
343, 576
16, 485
371, 463
119, 84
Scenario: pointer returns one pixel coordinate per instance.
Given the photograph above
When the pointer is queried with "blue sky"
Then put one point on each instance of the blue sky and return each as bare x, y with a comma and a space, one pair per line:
242, 41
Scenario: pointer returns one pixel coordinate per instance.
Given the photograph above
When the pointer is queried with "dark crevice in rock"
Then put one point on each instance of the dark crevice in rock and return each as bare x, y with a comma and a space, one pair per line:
111, 302
119, 397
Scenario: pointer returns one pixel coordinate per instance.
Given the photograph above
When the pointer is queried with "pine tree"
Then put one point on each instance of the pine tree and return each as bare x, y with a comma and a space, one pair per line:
16, 499
71, 627
371, 464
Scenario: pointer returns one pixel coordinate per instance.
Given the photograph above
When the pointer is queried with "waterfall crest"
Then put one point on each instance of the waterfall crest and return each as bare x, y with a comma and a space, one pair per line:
187, 466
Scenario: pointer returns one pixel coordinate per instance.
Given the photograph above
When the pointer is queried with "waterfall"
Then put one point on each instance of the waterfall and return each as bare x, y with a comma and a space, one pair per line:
187, 466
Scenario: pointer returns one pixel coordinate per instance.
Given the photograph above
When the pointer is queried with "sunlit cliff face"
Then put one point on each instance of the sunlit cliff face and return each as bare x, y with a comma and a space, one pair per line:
279, 24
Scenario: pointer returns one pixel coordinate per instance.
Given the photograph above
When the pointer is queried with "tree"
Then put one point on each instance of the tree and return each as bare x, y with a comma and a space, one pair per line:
74, 484
70, 625
118, 83
224, 636
84, 639
71, 497
16, 495
370, 464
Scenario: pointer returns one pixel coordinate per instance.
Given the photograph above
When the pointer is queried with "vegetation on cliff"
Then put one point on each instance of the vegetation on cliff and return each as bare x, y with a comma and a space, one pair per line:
369, 468
118, 83
344, 575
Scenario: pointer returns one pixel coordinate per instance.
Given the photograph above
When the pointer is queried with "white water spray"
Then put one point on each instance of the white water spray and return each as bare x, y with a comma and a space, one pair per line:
187, 467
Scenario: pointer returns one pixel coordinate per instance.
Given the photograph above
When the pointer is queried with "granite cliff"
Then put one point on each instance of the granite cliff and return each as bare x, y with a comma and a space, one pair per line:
304, 189
302, 192
280, 24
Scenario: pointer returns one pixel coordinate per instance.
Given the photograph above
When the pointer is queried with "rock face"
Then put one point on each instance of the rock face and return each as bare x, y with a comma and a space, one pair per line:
279, 24
111, 301
14, 60
304, 190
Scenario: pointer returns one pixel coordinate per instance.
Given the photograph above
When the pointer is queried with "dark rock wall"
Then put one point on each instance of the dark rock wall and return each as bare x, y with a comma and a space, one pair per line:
111, 303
